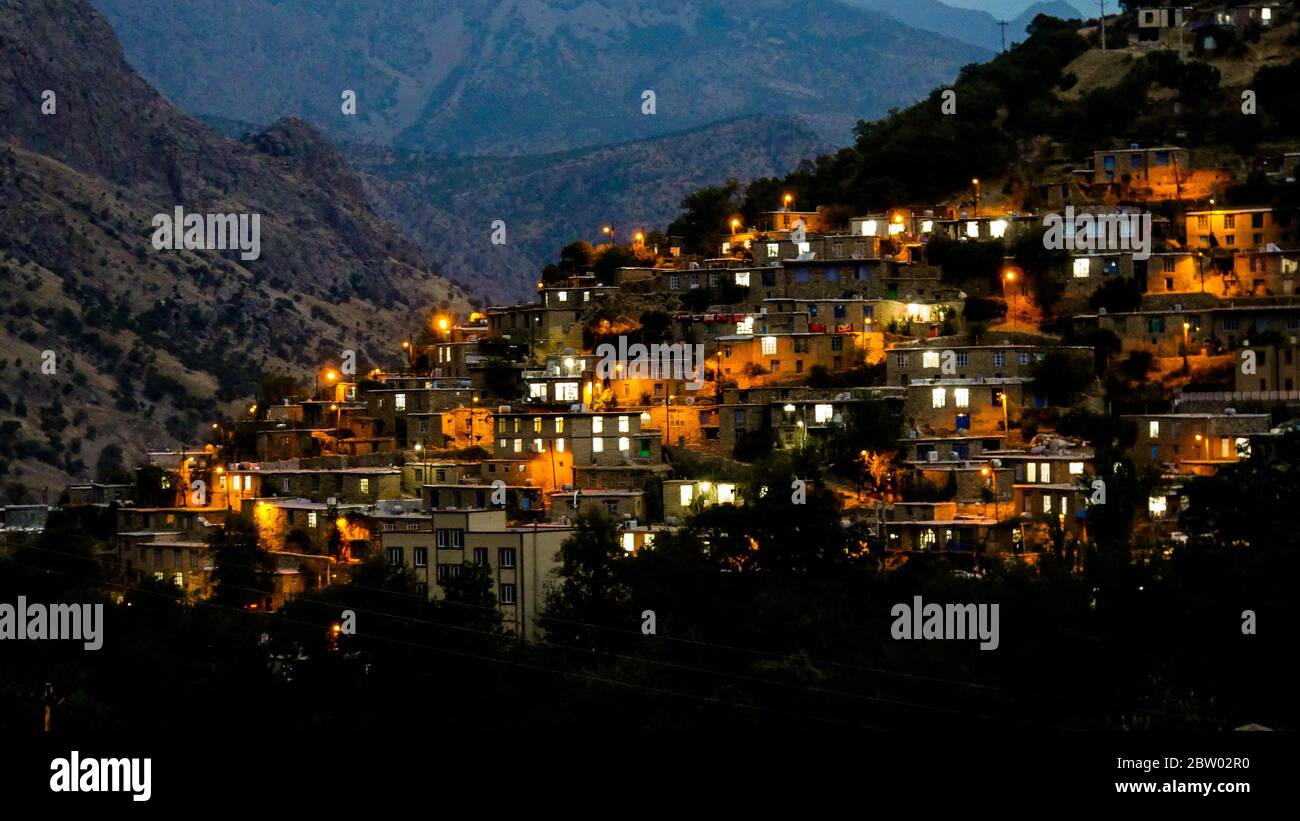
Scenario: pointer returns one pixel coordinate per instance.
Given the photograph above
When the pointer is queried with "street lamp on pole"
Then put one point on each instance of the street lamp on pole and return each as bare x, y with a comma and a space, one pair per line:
1010, 277
976, 182
989, 473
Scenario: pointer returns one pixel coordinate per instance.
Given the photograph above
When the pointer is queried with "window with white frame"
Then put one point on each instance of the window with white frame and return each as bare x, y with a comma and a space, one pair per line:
961, 397
769, 345
930, 359
597, 424
597, 445
742, 279
566, 391
623, 424
399, 401
1081, 267
537, 390
1153, 429
685, 494
938, 397
773, 250
823, 413
624, 444
1076, 468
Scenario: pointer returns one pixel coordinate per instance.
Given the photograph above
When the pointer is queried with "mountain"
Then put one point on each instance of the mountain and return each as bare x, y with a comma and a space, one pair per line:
975, 26
531, 76
147, 346
448, 204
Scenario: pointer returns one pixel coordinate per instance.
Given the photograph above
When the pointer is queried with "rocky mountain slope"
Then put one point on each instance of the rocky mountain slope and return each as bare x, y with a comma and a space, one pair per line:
448, 204
531, 76
148, 346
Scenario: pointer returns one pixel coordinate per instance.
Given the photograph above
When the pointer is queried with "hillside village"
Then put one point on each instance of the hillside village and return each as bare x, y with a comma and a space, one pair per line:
933, 372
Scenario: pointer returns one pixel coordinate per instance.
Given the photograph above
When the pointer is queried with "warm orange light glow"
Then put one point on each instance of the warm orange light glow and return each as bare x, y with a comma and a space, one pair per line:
331, 375
1011, 276
639, 237
975, 181
1198, 437
898, 218
984, 471
215, 426
607, 230
442, 323
252, 408
475, 316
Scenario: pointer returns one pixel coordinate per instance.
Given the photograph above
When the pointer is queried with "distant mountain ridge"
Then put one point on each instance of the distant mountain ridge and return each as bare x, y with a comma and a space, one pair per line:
976, 27
531, 76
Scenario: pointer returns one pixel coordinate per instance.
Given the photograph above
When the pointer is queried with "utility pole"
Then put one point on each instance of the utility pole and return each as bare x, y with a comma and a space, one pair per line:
1003, 25
1102, 3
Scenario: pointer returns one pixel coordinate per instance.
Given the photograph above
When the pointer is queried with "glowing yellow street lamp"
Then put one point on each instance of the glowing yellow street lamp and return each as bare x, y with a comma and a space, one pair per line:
786, 200
1011, 277
735, 225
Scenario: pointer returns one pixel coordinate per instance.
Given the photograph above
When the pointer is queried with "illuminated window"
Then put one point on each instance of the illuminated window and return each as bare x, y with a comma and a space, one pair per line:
927, 226
961, 397
938, 397
742, 279
566, 391
998, 227
597, 445
623, 424
1243, 447
559, 444
687, 493
726, 494
563, 296
248, 483
1031, 472
804, 247
1076, 468
895, 228
1047, 503
745, 326
399, 402
973, 230
629, 542
537, 446
536, 390
1045, 472
624, 444
768, 345
597, 424
519, 446
773, 249
537, 424
726, 247
559, 424
930, 359
1156, 505
365, 485
868, 228
1081, 267
1153, 429
823, 413
928, 539
311, 518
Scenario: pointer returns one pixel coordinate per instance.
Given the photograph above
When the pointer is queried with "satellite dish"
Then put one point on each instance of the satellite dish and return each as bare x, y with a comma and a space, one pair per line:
797, 231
